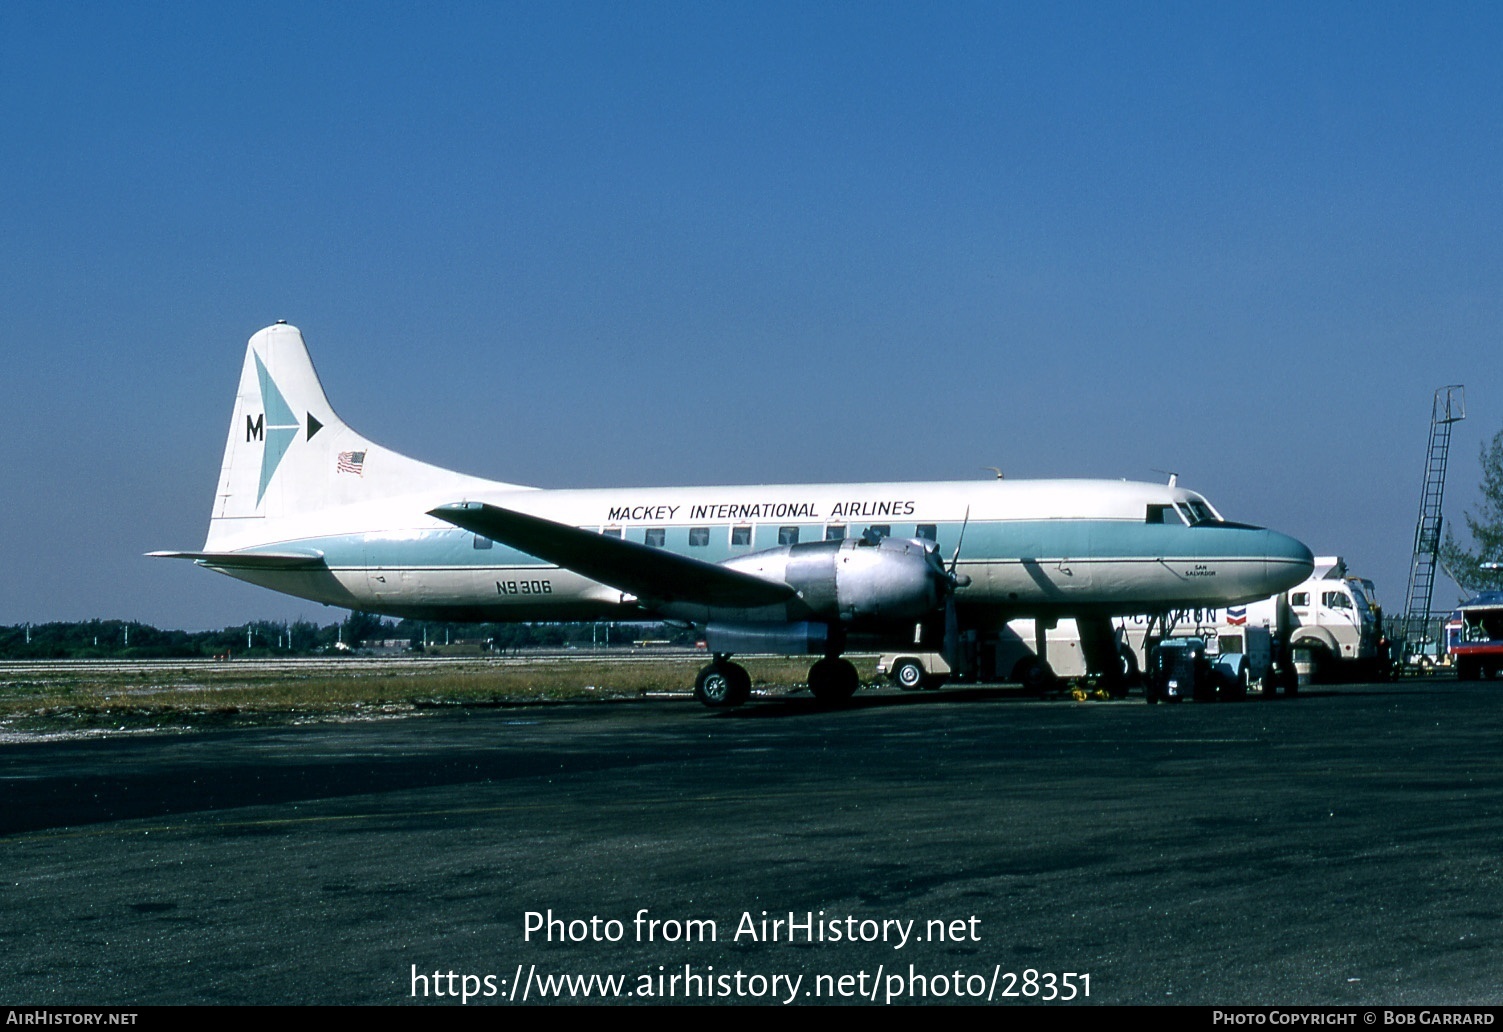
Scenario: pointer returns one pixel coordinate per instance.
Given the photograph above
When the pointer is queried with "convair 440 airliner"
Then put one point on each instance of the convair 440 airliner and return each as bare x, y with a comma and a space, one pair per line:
309, 507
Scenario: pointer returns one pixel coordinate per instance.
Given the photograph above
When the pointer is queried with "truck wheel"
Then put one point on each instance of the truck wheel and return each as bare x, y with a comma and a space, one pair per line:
1235, 686
1034, 675
908, 675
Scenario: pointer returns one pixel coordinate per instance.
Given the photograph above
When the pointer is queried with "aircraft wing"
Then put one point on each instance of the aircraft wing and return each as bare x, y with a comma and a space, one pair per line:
637, 569
308, 560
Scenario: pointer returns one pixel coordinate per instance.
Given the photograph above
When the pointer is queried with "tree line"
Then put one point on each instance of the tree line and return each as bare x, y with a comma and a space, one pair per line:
130, 639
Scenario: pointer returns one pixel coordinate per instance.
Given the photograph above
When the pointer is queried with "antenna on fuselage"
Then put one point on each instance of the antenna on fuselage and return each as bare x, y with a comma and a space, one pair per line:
995, 470
1173, 477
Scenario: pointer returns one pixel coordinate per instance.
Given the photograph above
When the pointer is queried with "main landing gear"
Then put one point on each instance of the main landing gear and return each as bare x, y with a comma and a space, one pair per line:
833, 679
724, 684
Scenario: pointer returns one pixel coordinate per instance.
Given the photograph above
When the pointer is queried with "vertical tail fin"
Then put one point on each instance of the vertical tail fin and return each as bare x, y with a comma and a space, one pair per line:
289, 455
281, 418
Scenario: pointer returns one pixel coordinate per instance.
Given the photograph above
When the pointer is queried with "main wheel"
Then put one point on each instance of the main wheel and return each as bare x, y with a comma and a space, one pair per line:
908, 675
722, 685
833, 679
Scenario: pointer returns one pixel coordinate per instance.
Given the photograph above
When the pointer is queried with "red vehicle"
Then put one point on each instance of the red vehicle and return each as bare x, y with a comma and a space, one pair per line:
1474, 637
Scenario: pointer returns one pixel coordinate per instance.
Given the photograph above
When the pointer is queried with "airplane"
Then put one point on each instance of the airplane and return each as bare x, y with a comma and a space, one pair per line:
307, 506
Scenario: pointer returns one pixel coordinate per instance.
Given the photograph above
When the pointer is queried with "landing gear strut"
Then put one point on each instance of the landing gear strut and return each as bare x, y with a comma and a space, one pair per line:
1104, 656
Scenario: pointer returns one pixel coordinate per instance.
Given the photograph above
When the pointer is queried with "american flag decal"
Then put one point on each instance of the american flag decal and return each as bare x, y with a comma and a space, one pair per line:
1236, 615
351, 462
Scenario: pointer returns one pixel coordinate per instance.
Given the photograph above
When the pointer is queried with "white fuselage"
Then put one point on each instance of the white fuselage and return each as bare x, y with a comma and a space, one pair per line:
1057, 546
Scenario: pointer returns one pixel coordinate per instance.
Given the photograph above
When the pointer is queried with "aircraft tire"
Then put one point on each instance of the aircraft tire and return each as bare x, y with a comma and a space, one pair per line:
722, 685
909, 675
833, 680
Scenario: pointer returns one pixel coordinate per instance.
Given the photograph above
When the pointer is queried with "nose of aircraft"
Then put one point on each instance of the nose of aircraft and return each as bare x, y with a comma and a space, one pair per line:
1286, 561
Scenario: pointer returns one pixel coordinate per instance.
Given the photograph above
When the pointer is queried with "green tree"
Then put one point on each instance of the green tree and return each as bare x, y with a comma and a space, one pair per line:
1463, 564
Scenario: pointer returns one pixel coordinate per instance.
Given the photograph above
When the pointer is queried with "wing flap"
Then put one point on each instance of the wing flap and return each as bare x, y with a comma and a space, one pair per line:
642, 570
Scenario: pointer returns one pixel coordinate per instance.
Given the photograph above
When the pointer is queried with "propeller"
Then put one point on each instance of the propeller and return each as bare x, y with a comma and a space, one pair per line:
953, 581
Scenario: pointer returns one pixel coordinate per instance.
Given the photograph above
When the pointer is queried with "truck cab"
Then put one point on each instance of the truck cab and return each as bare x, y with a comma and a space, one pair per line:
1335, 622
1474, 637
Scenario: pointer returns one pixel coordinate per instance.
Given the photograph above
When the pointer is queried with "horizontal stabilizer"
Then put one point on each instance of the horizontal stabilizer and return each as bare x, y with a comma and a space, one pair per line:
642, 570
309, 560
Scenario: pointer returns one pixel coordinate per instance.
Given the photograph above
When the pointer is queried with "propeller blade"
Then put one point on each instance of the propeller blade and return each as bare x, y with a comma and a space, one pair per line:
961, 581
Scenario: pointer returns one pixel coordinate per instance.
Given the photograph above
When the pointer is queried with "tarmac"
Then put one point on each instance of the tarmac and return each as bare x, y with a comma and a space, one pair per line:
1340, 847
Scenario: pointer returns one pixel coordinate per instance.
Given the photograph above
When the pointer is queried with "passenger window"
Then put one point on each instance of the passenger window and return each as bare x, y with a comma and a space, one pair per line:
699, 537
740, 536
926, 532
614, 532
655, 536
1299, 598
880, 530
787, 535
1335, 600
834, 533
483, 542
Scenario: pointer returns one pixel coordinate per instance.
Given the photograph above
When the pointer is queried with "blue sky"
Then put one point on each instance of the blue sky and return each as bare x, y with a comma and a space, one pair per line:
632, 244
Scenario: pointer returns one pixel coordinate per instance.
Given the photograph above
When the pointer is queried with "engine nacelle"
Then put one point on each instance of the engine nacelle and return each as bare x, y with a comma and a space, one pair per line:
855, 581
796, 639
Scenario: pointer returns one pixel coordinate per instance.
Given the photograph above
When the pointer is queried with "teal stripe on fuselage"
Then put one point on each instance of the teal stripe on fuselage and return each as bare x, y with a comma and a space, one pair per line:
995, 540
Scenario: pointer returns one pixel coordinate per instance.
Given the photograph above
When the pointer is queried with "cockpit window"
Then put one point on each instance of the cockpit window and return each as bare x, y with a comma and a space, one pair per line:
1200, 512
1189, 511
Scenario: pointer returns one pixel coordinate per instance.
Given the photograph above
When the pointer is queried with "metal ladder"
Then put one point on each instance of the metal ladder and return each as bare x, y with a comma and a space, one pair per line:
1447, 407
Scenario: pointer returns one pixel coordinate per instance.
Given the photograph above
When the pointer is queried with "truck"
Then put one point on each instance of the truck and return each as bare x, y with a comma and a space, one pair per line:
1474, 637
1332, 620
1007, 657
1191, 667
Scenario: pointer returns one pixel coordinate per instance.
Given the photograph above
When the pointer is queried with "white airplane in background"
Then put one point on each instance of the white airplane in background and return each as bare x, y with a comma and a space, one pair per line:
309, 507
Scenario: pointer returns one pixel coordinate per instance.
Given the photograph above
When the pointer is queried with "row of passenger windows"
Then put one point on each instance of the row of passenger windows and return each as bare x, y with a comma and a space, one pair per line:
741, 537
